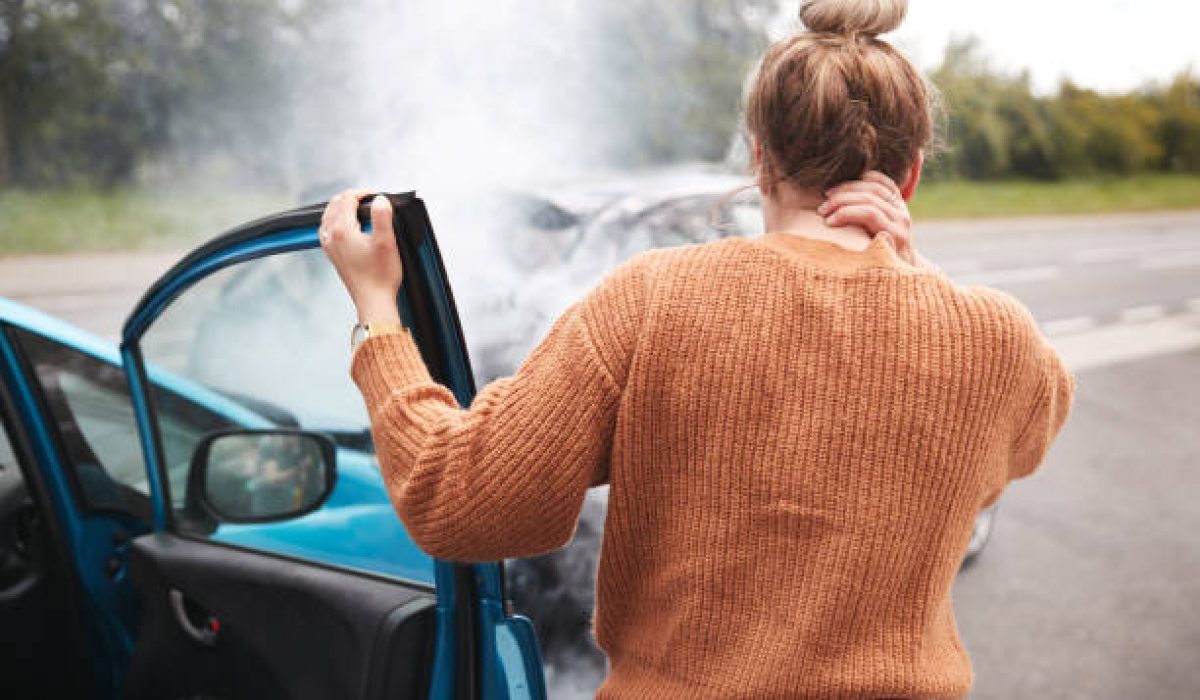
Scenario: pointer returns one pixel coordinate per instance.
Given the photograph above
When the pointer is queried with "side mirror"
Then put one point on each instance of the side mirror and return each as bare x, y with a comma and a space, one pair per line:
260, 476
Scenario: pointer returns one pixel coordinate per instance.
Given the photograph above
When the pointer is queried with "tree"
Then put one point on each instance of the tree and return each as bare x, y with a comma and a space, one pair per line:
89, 89
1179, 128
67, 110
674, 73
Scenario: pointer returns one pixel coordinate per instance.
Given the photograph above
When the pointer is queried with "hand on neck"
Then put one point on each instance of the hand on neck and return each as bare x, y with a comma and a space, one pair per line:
788, 209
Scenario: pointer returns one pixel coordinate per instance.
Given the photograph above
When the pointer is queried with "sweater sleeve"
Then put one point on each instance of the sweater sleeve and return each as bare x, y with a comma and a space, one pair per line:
1051, 396
507, 476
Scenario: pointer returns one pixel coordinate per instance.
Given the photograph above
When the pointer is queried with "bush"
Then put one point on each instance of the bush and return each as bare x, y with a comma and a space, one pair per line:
1000, 129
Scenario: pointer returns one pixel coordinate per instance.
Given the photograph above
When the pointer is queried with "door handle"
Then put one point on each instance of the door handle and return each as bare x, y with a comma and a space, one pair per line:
205, 634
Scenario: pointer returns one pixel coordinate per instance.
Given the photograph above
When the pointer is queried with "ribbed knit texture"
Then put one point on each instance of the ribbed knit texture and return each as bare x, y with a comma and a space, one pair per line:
797, 437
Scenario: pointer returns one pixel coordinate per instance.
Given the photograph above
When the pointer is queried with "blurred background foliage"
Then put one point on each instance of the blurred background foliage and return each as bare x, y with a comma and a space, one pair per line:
91, 91
112, 94
998, 128
94, 91
675, 72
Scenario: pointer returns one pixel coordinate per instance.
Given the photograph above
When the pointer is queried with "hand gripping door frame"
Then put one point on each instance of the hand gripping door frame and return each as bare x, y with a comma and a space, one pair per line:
481, 652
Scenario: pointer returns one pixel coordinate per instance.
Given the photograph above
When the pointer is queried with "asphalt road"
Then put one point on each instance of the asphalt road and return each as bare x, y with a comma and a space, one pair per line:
1090, 587
92, 290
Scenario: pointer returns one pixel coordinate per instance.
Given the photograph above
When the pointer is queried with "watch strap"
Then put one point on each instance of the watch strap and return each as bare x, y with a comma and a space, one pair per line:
362, 331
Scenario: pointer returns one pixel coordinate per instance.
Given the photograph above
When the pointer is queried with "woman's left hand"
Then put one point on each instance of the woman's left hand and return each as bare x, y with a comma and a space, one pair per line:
369, 265
875, 204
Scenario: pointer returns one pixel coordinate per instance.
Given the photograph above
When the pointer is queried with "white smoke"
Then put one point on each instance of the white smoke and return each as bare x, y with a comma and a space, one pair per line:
469, 103
456, 100
482, 107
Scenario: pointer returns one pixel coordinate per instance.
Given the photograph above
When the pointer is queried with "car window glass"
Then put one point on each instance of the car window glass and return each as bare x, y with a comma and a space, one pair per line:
11, 480
14, 547
8, 460
104, 417
88, 400
266, 344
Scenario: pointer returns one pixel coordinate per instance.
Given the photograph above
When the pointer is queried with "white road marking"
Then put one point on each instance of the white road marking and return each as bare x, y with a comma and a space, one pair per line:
1065, 326
1117, 343
1168, 261
959, 266
1115, 253
1093, 255
1141, 314
1013, 276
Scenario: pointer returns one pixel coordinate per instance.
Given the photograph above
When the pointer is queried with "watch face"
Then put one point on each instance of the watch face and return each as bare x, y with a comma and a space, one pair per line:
357, 335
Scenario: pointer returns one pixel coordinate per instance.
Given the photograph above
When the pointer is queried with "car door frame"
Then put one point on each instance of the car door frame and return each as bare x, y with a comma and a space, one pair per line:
481, 651
82, 537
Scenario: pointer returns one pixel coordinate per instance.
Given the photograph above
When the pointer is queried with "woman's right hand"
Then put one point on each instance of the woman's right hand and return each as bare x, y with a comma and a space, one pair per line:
876, 205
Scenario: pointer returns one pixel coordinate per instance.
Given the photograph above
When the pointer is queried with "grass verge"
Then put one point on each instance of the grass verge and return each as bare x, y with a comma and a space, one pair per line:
122, 219
1138, 193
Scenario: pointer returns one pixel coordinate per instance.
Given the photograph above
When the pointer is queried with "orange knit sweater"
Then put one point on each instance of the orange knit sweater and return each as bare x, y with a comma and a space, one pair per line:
797, 437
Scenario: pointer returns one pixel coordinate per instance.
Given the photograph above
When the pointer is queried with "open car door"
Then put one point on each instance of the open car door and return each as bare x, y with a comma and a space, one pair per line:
296, 586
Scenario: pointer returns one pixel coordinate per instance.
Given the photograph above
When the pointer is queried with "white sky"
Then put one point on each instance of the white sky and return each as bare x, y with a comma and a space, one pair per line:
1108, 45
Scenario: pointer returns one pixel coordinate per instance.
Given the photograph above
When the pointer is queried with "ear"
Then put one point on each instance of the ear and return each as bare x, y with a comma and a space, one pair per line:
909, 188
759, 165
755, 154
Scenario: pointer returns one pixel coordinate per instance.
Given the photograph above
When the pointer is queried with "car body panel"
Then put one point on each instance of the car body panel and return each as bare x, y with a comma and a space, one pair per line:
479, 650
359, 497
471, 594
91, 541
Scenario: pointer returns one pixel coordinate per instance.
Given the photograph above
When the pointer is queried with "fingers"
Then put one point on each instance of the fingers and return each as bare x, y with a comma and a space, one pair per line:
874, 190
849, 197
833, 208
383, 233
868, 216
333, 221
874, 204
341, 216
879, 189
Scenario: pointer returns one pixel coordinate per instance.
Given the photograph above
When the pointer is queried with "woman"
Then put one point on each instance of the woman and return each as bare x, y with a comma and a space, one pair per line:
797, 430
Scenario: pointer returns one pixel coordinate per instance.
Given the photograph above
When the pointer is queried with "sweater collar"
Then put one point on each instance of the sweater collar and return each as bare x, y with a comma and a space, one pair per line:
829, 254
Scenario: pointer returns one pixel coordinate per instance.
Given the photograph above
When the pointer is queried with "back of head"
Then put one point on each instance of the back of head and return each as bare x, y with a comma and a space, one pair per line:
834, 101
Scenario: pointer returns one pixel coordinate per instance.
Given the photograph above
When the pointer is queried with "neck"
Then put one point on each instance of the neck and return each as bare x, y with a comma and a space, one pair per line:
790, 211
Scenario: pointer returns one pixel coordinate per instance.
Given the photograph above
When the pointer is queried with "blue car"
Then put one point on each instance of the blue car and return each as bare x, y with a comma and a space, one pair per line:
198, 512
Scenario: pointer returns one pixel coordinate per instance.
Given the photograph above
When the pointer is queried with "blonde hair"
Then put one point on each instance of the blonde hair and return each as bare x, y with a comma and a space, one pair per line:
830, 103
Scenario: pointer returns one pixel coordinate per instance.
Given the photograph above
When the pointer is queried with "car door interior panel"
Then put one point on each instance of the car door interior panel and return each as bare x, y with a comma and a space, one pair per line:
122, 577
39, 620
275, 628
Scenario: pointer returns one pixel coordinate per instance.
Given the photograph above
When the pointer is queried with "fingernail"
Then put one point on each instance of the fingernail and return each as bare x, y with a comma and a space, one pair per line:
379, 201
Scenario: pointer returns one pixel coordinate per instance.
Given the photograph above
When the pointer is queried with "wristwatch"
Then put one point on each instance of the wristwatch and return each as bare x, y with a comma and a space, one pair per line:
362, 331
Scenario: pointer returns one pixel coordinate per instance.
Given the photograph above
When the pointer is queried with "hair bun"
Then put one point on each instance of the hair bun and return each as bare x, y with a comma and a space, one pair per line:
869, 17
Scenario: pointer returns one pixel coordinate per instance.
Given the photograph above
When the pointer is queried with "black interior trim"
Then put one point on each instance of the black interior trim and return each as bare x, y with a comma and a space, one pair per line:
55, 637
360, 573
398, 634
302, 631
413, 230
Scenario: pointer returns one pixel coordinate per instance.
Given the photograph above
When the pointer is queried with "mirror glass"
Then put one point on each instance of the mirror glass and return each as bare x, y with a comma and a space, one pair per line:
256, 476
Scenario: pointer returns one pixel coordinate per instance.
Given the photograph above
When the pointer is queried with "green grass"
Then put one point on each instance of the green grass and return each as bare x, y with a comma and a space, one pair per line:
122, 219
130, 218
1139, 193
